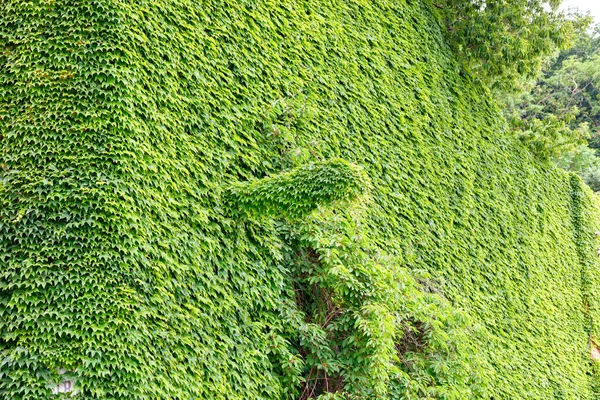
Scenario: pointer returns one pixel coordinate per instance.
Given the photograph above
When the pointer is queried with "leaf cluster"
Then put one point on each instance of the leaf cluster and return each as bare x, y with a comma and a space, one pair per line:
557, 116
504, 42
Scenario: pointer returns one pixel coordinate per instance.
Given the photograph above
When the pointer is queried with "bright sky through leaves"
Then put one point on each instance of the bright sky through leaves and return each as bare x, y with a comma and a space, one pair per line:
593, 6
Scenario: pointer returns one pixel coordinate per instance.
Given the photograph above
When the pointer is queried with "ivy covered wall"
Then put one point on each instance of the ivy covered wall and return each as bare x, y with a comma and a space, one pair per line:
260, 199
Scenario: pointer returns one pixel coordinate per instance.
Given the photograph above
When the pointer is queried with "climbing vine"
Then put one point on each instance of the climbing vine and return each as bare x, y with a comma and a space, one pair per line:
274, 200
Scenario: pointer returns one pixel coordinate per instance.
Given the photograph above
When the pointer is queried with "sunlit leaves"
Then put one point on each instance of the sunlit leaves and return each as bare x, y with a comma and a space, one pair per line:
124, 126
503, 41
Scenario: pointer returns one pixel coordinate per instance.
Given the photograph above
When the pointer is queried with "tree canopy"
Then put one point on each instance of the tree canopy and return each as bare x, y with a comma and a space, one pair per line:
558, 117
503, 41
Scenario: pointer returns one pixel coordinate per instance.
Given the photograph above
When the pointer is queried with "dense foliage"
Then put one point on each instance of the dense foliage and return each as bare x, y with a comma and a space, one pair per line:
558, 117
273, 200
296, 193
504, 41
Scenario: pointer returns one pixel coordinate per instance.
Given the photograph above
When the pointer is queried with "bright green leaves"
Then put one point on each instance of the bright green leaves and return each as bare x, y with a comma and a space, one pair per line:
367, 327
505, 41
556, 115
298, 192
125, 260
586, 223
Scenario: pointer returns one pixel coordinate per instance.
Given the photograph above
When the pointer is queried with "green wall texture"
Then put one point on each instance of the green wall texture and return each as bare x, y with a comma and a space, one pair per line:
135, 139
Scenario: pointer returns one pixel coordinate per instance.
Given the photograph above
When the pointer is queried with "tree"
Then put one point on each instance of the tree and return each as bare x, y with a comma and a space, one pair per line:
558, 116
504, 41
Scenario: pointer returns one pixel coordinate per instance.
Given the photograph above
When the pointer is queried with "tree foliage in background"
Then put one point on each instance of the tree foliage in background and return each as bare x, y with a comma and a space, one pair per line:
502, 41
558, 116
